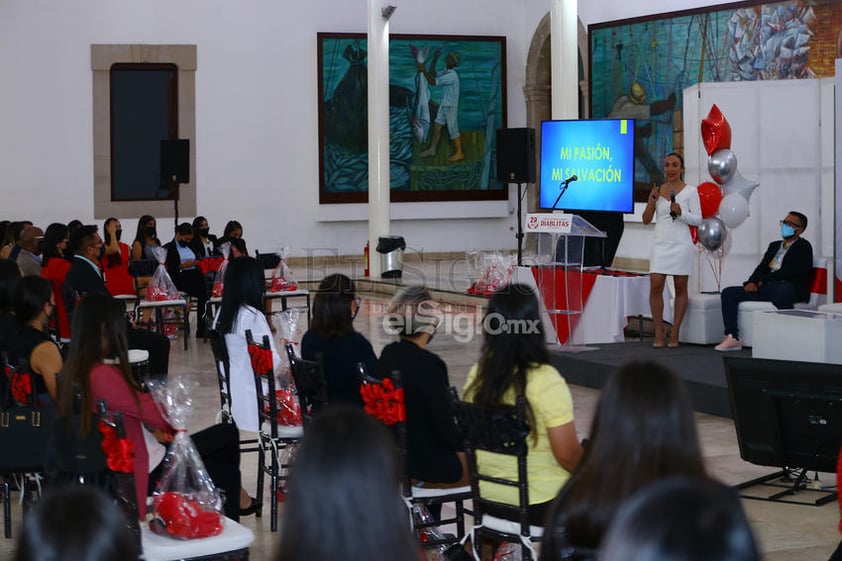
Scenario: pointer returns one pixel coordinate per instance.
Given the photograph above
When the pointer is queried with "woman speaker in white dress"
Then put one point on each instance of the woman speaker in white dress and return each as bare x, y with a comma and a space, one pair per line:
676, 207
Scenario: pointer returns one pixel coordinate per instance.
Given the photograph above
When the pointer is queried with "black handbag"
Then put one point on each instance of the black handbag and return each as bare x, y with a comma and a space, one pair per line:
25, 426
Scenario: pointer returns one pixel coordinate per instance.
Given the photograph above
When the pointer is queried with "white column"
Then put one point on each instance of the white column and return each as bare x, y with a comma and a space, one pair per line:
565, 62
378, 131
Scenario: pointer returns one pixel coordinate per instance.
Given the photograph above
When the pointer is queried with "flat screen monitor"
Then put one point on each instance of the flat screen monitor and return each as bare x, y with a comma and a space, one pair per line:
599, 153
787, 413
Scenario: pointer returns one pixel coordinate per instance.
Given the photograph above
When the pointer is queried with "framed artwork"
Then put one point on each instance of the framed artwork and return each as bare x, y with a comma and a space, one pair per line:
640, 67
447, 98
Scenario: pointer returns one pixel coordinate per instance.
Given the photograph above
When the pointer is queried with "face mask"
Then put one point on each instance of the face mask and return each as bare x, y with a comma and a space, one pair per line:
183, 243
204, 232
787, 231
118, 234
150, 232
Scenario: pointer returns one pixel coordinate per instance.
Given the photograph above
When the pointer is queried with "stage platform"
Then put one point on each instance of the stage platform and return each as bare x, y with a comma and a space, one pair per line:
701, 368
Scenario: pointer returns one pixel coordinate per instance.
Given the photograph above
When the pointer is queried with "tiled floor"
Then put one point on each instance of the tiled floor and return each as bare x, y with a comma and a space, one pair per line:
785, 532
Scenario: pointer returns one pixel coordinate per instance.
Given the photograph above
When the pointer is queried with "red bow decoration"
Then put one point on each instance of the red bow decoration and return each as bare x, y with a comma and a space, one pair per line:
21, 387
261, 359
186, 519
209, 264
384, 402
119, 452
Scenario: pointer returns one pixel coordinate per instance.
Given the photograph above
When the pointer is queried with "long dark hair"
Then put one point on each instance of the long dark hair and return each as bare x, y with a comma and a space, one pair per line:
99, 332
113, 259
332, 307
7, 237
230, 227
54, 235
142, 223
682, 518
645, 420
9, 278
513, 343
77, 523
31, 294
243, 286
344, 495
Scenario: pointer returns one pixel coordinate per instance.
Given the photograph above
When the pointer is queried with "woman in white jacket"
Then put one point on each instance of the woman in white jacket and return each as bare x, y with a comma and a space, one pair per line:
241, 310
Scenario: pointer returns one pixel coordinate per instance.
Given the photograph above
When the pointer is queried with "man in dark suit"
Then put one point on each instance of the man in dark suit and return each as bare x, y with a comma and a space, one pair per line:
181, 265
85, 276
783, 278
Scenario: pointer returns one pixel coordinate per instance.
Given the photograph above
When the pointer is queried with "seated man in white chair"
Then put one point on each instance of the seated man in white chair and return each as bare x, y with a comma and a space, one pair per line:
783, 278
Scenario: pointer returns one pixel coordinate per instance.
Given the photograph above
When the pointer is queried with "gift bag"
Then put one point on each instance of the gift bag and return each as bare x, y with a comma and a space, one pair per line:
185, 504
219, 279
161, 287
282, 278
286, 398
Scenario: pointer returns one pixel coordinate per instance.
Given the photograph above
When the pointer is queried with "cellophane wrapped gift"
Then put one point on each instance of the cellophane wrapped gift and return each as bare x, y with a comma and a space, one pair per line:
218, 280
161, 287
496, 271
282, 278
290, 329
186, 504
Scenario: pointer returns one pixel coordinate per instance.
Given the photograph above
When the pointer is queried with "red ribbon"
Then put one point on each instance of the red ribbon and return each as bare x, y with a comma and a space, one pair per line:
384, 402
261, 359
119, 452
21, 387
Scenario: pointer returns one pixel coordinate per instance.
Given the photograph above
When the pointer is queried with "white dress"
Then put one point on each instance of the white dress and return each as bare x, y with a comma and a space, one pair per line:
673, 251
243, 394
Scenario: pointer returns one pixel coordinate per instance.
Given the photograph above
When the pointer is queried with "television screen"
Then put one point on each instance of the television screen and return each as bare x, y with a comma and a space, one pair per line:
600, 153
787, 413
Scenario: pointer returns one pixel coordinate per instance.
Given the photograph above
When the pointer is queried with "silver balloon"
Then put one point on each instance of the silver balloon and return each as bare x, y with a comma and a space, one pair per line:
712, 233
722, 165
741, 185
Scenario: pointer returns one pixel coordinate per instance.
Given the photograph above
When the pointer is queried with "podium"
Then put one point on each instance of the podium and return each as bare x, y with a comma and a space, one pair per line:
558, 271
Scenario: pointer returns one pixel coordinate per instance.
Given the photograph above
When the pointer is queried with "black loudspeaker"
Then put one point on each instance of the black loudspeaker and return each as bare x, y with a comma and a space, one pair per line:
516, 155
175, 161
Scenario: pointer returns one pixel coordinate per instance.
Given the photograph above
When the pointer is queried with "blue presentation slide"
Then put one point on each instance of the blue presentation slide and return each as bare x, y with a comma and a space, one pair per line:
600, 153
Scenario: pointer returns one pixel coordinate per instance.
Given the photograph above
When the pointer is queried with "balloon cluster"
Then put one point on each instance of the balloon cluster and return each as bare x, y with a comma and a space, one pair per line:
724, 203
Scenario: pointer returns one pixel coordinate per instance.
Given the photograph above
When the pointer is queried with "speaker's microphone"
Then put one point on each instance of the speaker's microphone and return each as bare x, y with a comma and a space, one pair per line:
673, 215
570, 180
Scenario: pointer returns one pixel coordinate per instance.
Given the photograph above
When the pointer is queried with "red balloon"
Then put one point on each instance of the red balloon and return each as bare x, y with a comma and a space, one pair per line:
710, 195
716, 132
694, 234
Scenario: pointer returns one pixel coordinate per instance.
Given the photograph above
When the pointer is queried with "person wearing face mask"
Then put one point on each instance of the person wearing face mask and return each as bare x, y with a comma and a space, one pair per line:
204, 243
181, 265
32, 350
115, 263
435, 456
783, 278
85, 277
31, 245
145, 238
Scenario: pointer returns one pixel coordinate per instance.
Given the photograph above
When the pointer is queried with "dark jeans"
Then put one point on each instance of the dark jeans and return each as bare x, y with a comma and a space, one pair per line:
192, 281
780, 293
219, 448
837, 555
156, 343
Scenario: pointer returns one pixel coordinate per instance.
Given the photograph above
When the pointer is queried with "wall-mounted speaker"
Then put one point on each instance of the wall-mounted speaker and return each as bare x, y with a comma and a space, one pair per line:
516, 155
175, 161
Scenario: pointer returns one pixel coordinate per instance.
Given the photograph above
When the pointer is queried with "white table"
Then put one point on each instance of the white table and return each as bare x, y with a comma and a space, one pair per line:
805, 335
234, 538
605, 314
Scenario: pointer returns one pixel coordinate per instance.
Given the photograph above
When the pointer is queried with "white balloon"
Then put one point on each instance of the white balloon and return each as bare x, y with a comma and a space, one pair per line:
733, 210
741, 185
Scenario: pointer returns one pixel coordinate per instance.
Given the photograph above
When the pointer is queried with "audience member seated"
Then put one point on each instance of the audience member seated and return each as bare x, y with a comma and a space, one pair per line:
98, 368
76, 523
32, 350
435, 456
181, 265
85, 277
684, 519
204, 243
643, 430
145, 238
242, 302
782, 277
54, 267
9, 278
514, 361
332, 335
233, 231
344, 495
115, 263
7, 238
29, 256
17, 229
238, 248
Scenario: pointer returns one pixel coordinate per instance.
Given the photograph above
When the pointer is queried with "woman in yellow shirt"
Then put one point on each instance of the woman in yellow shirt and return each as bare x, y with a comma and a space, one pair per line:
514, 361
